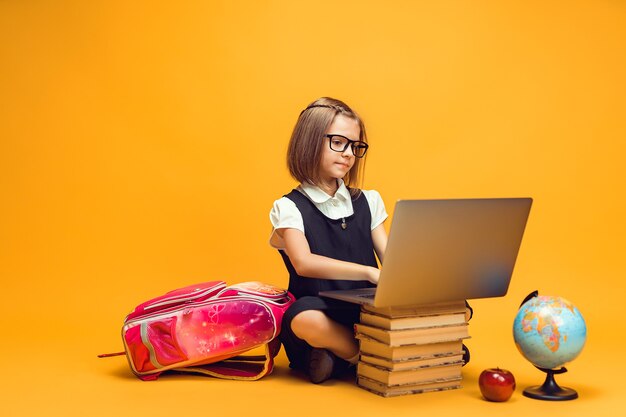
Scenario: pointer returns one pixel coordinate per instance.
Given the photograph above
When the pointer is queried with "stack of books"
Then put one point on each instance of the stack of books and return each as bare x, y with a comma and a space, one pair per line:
411, 350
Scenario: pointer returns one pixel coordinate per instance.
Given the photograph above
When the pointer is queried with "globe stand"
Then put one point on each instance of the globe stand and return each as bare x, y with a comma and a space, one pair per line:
550, 390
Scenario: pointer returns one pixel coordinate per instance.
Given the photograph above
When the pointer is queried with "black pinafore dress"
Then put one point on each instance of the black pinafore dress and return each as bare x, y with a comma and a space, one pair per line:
327, 237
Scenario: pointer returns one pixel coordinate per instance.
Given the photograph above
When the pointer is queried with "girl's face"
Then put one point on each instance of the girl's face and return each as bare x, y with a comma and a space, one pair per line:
335, 165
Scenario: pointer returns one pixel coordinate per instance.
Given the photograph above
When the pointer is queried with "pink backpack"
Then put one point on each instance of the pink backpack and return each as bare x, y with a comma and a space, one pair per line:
204, 328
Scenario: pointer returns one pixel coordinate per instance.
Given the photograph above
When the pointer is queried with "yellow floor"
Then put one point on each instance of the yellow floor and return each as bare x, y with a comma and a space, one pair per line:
54, 378
142, 145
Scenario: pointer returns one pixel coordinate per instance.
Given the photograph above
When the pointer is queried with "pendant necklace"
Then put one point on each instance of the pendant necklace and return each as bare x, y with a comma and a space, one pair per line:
344, 225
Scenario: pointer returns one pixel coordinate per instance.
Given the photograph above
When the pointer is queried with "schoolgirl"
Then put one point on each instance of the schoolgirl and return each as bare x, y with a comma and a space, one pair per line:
329, 234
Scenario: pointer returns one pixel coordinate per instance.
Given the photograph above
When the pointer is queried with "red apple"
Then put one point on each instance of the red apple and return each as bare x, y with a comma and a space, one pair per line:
496, 384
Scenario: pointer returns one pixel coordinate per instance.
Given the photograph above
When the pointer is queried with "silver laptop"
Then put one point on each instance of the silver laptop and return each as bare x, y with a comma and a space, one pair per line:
447, 250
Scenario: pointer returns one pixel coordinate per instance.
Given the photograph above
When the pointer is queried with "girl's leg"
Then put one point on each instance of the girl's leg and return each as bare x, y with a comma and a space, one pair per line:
319, 331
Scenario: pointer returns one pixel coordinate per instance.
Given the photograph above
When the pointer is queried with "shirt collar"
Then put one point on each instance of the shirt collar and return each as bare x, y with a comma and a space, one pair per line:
318, 196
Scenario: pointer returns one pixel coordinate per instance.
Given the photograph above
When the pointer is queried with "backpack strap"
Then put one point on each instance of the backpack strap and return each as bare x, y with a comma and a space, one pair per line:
241, 368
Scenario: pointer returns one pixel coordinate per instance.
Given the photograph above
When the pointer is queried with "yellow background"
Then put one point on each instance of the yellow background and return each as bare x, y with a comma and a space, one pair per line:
142, 145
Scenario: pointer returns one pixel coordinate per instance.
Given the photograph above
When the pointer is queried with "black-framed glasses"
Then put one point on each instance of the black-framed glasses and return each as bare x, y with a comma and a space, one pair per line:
340, 143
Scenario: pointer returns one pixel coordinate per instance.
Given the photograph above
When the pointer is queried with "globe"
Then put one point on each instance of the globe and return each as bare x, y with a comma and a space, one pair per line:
549, 331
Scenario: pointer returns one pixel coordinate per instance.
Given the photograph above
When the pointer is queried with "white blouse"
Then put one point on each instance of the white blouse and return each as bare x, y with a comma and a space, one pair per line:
285, 214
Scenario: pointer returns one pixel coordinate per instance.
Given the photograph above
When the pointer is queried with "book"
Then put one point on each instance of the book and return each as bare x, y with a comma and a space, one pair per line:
403, 365
420, 310
373, 347
411, 376
411, 322
387, 391
414, 336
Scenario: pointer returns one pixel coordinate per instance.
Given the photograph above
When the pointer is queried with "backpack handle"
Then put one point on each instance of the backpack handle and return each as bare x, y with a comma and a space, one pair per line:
108, 355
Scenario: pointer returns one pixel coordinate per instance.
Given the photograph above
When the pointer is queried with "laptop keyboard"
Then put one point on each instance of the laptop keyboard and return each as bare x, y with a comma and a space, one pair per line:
370, 295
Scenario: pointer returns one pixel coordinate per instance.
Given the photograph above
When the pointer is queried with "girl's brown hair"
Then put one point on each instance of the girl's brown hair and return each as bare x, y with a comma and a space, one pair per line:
304, 152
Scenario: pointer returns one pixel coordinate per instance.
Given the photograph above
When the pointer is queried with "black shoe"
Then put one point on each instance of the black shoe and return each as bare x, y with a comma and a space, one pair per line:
321, 365
466, 355
471, 311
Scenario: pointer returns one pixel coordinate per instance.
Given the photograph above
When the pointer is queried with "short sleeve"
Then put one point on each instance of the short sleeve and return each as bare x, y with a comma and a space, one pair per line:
377, 207
284, 215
